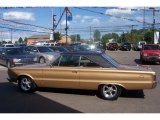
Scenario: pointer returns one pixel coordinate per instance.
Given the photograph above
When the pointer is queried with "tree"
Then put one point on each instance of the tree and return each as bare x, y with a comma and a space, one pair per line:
148, 36
57, 36
25, 40
75, 38
20, 40
97, 35
107, 37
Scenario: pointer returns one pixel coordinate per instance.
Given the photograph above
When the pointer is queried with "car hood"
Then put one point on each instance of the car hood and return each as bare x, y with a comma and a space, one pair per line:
151, 51
20, 56
135, 67
50, 53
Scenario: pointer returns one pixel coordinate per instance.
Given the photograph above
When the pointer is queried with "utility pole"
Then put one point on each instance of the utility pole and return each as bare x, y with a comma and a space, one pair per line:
66, 29
11, 35
90, 32
153, 25
131, 32
144, 24
53, 25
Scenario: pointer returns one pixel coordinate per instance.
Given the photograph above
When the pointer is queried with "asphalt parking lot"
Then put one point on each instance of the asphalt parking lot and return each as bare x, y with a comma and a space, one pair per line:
80, 101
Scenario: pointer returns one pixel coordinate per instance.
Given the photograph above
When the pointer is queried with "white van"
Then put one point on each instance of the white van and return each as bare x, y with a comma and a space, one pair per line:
8, 45
139, 45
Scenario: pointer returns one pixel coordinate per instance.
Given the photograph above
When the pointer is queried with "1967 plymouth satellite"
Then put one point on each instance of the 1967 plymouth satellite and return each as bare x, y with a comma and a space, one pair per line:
84, 70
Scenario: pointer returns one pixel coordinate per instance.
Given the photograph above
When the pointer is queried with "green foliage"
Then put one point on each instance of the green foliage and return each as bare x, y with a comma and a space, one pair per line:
57, 36
20, 40
97, 35
75, 38
25, 40
107, 37
148, 36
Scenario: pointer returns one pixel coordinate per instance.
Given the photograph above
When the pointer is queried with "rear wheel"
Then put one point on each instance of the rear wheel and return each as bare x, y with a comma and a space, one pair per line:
26, 84
42, 60
110, 91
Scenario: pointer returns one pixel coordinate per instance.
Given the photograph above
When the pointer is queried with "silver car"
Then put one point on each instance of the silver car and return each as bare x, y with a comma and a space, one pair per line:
43, 54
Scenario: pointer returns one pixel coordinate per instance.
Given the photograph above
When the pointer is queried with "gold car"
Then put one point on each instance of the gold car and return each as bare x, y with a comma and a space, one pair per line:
84, 70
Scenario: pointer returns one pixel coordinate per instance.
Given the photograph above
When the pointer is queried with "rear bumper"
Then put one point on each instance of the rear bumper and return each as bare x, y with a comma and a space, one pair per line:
154, 84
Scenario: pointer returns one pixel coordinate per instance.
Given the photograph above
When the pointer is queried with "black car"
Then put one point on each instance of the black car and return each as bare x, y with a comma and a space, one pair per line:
15, 56
112, 46
59, 49
125, 46
86, 48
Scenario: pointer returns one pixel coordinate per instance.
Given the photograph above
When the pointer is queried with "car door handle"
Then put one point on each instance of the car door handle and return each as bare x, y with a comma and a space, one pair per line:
74, 71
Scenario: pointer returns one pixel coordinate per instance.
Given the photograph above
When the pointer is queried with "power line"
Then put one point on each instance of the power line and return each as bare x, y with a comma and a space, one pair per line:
111, 15
24, 24
23, 29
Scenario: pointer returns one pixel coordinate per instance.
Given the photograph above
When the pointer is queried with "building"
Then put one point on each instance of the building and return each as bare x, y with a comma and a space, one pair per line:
37, 39
46, 39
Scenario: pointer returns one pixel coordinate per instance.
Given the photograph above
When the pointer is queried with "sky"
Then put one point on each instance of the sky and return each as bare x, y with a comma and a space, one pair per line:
25, 21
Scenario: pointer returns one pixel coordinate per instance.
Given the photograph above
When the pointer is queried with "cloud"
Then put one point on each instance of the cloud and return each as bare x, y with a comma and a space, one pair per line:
77, 17
64, 22
90, 20
15, 15
118, 11
95, 21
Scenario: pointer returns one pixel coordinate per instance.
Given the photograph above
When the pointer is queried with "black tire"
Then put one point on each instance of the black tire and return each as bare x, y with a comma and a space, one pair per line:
110, 91
42, 60
26, 84
141, 59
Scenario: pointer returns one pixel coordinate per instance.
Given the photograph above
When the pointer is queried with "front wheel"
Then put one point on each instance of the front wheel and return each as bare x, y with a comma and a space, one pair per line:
110, 91
42, 60
26, 84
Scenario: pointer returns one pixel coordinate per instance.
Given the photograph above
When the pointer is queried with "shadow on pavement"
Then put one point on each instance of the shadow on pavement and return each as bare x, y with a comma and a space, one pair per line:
132, 94
137, 61
13, 101
125, 93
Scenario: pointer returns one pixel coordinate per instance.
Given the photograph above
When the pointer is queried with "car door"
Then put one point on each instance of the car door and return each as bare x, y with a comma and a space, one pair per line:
64, 73
89, 73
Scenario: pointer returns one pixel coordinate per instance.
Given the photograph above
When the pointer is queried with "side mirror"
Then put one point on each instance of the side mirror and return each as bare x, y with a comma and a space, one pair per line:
35, 51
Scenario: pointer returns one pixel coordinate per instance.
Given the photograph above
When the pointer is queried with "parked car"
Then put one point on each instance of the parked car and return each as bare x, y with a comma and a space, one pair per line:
125, 46
20, 45
15, 56
138, 45
150, 53
59, 49
86, 48
112, 46
43, 54
84, 70
7, 45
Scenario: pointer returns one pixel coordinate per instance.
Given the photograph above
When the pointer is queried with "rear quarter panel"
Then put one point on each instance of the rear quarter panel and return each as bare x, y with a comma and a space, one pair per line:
131, 80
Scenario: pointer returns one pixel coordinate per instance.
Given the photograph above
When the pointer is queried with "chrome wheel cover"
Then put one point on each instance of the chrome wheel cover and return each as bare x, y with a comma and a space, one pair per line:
110, 91
25, 84
41, 60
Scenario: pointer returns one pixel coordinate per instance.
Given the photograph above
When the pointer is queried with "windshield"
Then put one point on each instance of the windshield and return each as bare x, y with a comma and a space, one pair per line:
15, 51
151, 47
111, 60
44, 49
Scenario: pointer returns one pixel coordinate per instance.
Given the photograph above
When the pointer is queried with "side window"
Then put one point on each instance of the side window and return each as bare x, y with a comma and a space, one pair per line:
69, 60
56, 62
85, 62
28, 49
